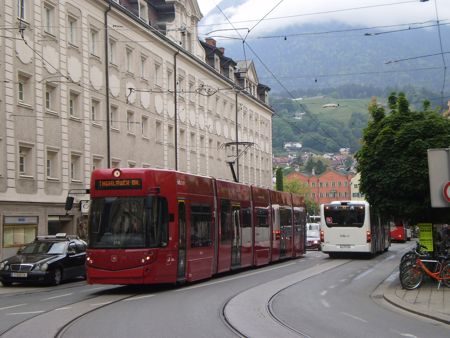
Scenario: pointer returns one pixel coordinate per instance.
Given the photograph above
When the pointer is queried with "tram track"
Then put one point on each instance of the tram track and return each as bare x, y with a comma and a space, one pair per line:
66, 315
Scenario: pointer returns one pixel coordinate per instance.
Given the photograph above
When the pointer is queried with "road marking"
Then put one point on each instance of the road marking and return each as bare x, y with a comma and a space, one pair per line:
137, 298
393, 276
24, 313
354, 317
323, 293
96, 289
233, 278
12, 306
325, 303
410, 335
331, 286
343, 280
63, 308
100, 304
365, 273
59, 296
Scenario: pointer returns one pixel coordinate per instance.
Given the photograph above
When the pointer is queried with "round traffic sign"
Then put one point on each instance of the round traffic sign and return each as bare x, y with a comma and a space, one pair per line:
447, 191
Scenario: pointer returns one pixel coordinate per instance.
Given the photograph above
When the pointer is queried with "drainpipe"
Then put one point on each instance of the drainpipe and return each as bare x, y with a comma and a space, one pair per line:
175, 101
108, 122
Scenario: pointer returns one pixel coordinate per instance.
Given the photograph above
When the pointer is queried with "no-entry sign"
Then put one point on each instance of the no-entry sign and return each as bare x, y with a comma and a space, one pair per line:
447, 192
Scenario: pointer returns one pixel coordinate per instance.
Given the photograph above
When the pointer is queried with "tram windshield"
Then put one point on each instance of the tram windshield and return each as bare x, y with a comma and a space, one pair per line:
128, 222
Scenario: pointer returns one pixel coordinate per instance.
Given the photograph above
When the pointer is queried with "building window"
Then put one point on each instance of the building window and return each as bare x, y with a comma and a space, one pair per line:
75, 167
182, 140
210, 147
24, 90
143, 11
129, 60
93, 43
95, 111
25, 160
193, 142
143, 63
130, 121
52, 164
50, 97
158, 77
97, 163
72, 34
144, 126
202, 145
158, 132
115, 163
170, 80
170, 137
112, 51
74, 104
114, 118
18, 231
49, 18
22, 9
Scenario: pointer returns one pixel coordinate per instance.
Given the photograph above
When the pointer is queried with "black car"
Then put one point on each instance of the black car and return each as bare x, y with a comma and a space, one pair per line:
48, 259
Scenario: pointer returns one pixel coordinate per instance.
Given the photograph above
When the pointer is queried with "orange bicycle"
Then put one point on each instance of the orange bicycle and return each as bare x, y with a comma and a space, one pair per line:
411, 275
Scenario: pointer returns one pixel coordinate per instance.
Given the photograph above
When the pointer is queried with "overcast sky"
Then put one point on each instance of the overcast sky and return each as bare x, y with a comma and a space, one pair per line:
284, 13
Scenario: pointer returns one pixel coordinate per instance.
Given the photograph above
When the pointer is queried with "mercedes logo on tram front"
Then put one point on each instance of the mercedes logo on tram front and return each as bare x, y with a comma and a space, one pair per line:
114, 259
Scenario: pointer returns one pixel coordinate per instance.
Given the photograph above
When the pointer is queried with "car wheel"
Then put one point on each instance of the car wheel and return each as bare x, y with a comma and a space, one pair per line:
57, 277
6, 283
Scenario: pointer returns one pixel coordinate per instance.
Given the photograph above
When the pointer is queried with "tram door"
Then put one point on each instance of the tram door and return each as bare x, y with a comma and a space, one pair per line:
181, 241
237, 237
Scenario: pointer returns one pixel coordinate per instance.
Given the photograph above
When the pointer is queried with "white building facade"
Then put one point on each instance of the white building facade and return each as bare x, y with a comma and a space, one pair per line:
111, 83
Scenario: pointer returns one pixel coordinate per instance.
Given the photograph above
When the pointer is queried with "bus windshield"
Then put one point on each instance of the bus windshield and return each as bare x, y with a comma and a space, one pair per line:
344, 216
128, 222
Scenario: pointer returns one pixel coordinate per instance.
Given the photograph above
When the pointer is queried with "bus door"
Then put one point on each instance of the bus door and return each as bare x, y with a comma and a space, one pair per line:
237, 238
181, 241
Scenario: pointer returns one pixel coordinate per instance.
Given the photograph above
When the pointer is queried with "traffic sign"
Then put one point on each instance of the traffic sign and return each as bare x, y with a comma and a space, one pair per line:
447, 192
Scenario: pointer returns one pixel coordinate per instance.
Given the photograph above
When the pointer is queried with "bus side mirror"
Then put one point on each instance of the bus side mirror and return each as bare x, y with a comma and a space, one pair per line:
69, 203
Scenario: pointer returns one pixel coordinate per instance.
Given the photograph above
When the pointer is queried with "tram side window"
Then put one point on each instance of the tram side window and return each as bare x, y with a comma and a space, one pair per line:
226, 230
201, 226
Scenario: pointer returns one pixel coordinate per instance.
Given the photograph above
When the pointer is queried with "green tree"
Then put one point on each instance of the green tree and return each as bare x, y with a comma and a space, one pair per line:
393, 158
297, 187
279, 179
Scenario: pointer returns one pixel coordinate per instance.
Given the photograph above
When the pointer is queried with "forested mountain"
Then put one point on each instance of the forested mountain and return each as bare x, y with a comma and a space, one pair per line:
342, 65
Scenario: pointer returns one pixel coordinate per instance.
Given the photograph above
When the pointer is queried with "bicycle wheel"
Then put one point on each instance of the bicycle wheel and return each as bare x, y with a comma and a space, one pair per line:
411, 277
445, 274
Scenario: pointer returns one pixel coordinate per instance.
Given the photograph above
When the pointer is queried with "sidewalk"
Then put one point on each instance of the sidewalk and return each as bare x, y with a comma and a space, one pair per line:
426, 300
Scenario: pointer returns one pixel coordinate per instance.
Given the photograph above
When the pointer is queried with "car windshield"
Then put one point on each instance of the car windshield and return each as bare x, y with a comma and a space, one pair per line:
51, 248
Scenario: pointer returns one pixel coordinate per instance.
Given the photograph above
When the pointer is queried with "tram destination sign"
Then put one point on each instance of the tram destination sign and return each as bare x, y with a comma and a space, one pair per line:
119, 184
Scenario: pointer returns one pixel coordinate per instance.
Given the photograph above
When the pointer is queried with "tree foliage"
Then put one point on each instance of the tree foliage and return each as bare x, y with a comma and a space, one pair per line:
393, 158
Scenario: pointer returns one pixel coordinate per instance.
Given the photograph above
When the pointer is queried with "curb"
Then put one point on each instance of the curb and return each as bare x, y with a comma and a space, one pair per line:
390, 296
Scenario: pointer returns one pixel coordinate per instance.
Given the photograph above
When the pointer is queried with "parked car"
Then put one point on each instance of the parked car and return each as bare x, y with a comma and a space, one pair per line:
48, 259
312, 236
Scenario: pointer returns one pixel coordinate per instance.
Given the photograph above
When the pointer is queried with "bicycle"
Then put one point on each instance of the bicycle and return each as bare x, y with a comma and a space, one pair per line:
412, 273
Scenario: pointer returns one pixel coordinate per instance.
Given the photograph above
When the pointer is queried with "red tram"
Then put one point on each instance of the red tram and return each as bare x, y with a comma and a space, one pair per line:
149, 226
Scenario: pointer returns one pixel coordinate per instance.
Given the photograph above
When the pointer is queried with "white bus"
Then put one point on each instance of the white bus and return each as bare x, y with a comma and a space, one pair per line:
350, 227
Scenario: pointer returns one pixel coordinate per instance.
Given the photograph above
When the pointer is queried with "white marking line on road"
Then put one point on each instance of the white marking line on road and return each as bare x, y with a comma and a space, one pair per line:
354, 317
331, 286
12, 306
365, 273
63, 308
232, 278
325, 303
393, 276
323, 293
59, 296
343, 280
100, 304
388, 258
24, 313
409, 335
137, 298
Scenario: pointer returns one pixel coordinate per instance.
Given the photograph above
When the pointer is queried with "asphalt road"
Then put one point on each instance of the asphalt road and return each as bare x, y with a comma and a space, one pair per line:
311, 296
